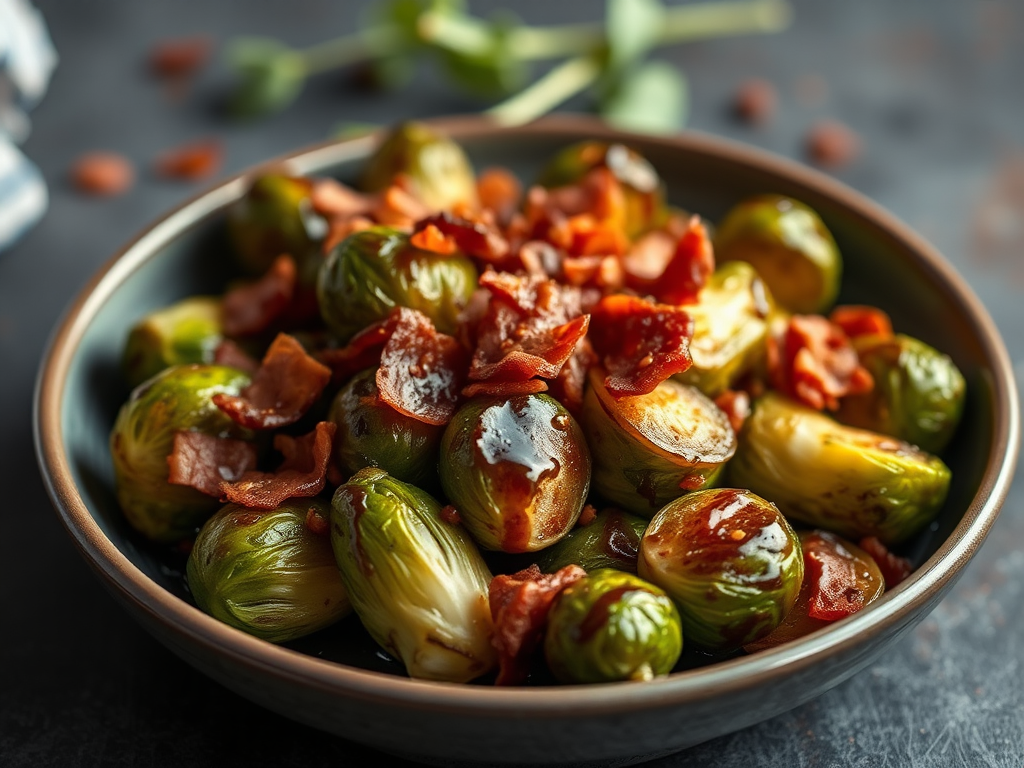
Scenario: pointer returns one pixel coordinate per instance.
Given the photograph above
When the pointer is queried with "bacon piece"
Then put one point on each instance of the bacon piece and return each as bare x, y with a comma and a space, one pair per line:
397, 207
567, 388
832, 572
858, 320
302, 473
103, 173
363, 351
253, 307
451, 515
474, 238
430, 238
288, 382
505, 388
519, 606
332, 199
205, 462
317, 523
587, 516
735, 403
499, 190
640, 344
230, 354
647, 258
690, 266
191, 162
180, 57
894, 568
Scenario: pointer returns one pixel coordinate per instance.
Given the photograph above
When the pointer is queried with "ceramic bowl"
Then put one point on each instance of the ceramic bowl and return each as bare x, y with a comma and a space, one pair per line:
337, 682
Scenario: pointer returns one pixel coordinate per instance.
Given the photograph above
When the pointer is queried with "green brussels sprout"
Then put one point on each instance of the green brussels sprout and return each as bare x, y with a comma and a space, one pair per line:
610, 540
730, 325
651, 449
730, 561
375, 270
266, 572
177, 399
789, 246
918, 394
851, 481
437, 167
373, 434
186, 332
517, 470
418, 583
612, 626
643, 188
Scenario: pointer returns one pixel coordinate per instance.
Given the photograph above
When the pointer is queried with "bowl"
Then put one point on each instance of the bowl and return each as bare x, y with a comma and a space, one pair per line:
342, 685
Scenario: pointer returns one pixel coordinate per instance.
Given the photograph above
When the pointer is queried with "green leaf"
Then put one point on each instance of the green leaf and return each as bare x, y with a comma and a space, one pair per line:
632, 28
495, 71
651, 99
271, 75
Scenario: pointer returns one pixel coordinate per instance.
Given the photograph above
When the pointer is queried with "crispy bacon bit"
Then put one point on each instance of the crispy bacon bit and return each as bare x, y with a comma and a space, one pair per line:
690, 266
474, 238
301, 474
588, 515
499, 190
647, 258
832, 572
519, 607
333, 199
814, 363
205, 462
317, 523
253, 307
191, 161
363, 351
567, 388
451, 515
894, 568
505, 388
230, 354
180, 57
858, 320
430, 238
103, 173
397, 207
287, 383
640, 344
736, 405
755, 100
832, 144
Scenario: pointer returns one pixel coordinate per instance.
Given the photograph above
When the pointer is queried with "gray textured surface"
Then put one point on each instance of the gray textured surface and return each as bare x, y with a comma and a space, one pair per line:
934, 89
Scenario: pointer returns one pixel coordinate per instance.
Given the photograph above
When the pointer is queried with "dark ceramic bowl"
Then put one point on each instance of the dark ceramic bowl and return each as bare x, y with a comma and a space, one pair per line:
350, 691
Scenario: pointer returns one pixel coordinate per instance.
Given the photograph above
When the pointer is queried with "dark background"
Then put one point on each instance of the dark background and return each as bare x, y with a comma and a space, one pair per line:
934, 89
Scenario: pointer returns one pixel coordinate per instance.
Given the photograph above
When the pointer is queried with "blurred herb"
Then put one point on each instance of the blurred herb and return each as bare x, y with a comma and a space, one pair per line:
492, 58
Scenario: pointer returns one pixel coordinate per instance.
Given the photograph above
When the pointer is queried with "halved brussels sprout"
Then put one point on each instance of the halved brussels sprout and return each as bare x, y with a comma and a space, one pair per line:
266, 572
437, 167
730, 561
610, 540
612, 626
186, 332
790, 247
178, 398
516, 469
375, 270
918, 394
418, 583
653, 448
851, 481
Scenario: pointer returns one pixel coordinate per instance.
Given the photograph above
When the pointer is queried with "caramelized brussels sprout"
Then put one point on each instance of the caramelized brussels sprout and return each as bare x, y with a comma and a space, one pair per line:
266, 572
437, 167
612, 626
178, 398
517, 470
418, 583
373, 434
789, 246
918, 395
610, 540
851, 481
373, 271
186, 332
729, 560
653, 448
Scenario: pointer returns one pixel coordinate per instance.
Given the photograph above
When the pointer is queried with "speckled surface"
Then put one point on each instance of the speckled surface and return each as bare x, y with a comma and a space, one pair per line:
933, 89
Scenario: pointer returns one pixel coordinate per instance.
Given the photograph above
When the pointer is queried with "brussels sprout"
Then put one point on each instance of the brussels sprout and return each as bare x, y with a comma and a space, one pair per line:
438, 169
730, 325
847, 480
176, 399
918, 394
612, 626
729, 560
611, 540
373, 434
418, 583
266, 572
375, 270
653, 448
186, 332
517, 470
643, 188
789, 245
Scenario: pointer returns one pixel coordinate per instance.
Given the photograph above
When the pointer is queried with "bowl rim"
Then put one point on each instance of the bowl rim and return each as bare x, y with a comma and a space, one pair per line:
896, 608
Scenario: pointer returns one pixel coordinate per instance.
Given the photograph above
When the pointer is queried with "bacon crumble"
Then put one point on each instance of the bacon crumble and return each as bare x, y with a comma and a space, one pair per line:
253, 307
205, 462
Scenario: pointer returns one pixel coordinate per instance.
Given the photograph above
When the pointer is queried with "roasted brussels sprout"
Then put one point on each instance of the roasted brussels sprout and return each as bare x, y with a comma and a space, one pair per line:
612, 626
437, 167
517, 470
610, 540
178, 398
653, 448
418, 583
851, 481
373, 434
186, 332
918, 394
789, 246
730, 561
266, 572
373, 271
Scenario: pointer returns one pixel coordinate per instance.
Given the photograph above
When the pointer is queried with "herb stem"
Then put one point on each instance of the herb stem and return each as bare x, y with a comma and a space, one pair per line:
562, 82
351, 49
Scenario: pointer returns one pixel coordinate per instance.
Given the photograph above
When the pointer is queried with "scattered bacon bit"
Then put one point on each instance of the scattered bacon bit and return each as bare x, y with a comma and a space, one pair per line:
205, 462
505, 388
191, 162
588, 515
858, 320
397, 207
567, 388
181, 56
831, 144
451, 515
647, 258
363, 351
287, 383
833, 573
499, 190
430, 238
735, 403
755, 100
317, 523
230, 354
540, 259
587, 235
474, 238
253, 307
691, 265
332, 199
519, 606
894, 568
103, 173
